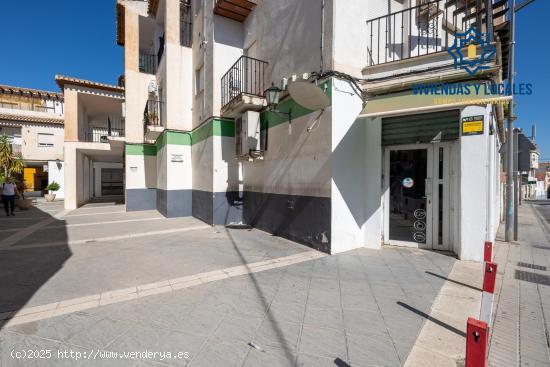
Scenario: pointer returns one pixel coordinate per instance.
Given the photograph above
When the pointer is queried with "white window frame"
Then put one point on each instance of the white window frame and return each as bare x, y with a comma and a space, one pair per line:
45, 145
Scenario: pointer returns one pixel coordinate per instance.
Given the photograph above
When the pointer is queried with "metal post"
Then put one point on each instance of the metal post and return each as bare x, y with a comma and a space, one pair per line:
517, 182
508, 235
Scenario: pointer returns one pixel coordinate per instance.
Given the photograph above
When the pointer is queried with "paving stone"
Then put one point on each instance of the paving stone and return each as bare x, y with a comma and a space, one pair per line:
221, 354
278, 334
272, 357
330, 343
373, 349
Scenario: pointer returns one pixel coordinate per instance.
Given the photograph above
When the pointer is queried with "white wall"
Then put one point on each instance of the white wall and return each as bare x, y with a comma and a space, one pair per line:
474, 189
31, 150
355, 167
56, 173
141, 171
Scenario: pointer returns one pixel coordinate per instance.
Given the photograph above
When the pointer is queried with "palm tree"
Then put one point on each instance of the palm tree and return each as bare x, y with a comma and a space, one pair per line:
10, 162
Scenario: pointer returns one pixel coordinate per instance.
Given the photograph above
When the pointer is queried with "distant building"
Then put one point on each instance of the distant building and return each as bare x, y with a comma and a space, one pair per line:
94, 140
527, 165
543, 174
33, 120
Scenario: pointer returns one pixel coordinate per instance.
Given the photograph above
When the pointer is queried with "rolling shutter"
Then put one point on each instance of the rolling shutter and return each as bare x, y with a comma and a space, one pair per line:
420, 128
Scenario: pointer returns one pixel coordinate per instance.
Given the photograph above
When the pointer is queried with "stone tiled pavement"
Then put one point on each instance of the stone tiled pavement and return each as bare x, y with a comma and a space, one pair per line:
521, 308
359, 308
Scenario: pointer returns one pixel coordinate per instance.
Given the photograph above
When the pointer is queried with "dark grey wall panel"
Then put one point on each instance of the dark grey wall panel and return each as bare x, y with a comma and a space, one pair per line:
304, 219
174, 203
228, 208
141, 199
202, 206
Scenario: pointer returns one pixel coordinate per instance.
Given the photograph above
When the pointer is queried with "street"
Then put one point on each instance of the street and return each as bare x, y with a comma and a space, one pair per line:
522, 303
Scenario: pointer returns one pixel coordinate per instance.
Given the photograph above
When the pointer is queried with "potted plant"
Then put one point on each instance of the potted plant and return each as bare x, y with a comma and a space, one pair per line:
20, 201
51, 188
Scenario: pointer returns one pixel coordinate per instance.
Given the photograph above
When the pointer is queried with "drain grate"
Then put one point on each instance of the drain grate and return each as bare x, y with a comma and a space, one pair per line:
532, 277
532, 266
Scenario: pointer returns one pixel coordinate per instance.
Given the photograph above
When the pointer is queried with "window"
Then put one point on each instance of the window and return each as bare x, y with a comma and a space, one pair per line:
45, 140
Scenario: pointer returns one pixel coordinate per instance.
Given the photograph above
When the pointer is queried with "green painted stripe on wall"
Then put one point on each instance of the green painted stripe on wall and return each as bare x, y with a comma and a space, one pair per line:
173, 138
214, 127
224, 128
140, 149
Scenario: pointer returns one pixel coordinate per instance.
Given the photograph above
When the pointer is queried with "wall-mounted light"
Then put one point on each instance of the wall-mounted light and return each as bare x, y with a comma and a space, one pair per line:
272, 96
58, 163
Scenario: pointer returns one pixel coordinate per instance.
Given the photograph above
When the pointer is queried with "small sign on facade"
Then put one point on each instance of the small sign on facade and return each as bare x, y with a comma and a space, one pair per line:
177, 158
472, 125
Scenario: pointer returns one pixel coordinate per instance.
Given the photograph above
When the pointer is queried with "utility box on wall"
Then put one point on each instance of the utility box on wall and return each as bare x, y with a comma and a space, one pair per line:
247, 136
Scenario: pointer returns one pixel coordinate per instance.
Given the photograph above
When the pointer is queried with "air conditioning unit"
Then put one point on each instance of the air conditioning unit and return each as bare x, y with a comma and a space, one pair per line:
153, 87
248, 135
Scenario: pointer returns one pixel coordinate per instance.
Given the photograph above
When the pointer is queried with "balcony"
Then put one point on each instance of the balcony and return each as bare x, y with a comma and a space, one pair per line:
147, 63
113, 131
153, 119
237, 10
32, 106
243, 87
424, 29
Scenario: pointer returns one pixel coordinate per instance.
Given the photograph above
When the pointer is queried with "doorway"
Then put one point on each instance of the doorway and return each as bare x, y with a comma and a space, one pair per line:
417, 195
112, 181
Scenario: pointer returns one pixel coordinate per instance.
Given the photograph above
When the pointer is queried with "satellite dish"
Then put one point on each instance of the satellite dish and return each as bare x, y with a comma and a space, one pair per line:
309, 95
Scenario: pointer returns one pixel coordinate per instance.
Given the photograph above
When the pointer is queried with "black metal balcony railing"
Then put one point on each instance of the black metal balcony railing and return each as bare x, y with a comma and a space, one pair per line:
153, 113
246, 76
147, 63
101, 134
424, 29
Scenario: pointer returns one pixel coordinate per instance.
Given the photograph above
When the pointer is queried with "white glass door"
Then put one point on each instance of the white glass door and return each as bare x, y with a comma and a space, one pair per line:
416, 198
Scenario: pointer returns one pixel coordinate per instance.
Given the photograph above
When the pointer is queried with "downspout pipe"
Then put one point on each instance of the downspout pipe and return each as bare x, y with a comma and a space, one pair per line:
509, 228
322, 66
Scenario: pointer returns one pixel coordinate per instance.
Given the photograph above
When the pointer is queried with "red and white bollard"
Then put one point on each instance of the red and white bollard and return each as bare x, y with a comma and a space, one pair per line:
488, 251
489, 281
477, 337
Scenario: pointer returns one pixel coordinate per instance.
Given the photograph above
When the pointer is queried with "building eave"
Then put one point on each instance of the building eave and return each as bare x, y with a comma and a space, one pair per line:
153, 7
20, 118
120, 24
62, 80
7, 89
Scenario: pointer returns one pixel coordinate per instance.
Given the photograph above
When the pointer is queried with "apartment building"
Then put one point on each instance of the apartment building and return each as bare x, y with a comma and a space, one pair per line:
93, 140
33, 121
300, 118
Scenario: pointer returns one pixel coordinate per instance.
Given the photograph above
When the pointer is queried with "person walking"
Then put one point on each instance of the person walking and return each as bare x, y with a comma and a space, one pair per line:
9, 190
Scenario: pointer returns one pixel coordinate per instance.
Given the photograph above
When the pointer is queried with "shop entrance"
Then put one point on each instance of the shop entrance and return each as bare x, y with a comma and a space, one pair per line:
417, 196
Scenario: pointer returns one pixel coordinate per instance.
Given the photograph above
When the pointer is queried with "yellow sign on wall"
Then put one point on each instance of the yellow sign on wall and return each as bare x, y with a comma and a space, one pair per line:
472, 125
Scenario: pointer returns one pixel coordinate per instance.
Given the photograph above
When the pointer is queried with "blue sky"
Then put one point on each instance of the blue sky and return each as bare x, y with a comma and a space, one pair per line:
533, 66
77, 38
43, 38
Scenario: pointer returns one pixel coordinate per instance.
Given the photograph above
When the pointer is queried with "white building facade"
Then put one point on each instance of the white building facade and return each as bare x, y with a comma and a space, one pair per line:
372, 164
33, 120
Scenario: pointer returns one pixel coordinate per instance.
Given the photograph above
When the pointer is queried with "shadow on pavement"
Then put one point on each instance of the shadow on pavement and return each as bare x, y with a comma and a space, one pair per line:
23, 271
280, 336
454, 281
432, 319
